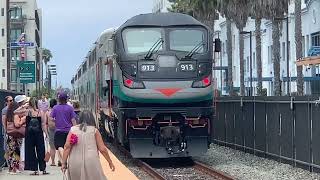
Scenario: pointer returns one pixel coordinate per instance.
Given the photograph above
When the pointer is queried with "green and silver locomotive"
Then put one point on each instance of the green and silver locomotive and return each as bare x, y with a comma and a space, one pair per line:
159, 85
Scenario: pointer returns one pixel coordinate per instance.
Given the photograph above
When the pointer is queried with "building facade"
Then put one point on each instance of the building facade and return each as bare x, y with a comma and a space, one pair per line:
161, 6
3, 43
310, 39
25, 26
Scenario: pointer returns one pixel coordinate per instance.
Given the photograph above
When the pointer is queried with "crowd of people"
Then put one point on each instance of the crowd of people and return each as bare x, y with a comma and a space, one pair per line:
30, 124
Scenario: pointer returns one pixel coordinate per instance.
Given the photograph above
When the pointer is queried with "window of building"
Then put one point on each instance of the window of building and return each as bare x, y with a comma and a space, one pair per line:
3, 52
13, 75
2, 32
15, 54
225, 47
3, 73
270, 54
315, 39
248, 63
15, 34
303, 46
16, 13
308, 43
2, 11
283, 51
254, 63
289, 50
234, 42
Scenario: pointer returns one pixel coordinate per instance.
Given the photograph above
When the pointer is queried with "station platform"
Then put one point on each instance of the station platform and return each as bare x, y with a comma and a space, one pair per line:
121, 172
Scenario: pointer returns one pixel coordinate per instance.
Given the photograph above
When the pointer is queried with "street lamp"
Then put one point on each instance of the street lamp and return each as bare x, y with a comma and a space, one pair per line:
250, 33
288, 77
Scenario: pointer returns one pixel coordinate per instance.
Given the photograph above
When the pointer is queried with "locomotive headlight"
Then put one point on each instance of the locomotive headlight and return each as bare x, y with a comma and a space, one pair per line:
130, 83
205, 82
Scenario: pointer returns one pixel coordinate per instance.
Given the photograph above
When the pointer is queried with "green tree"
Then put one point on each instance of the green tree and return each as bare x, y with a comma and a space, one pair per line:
203, 10
298, 39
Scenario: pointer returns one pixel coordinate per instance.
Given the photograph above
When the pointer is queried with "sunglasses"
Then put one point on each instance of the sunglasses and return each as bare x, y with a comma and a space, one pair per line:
11, 100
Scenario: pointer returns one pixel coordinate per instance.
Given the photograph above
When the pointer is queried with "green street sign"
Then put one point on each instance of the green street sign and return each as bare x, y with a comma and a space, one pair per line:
26, 71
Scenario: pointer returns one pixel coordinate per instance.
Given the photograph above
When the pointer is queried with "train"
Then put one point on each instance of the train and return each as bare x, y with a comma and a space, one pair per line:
154, 75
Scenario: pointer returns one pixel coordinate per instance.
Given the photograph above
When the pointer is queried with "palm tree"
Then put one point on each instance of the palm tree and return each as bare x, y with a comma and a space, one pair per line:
237, 10
229, 53
46, 56
258, 12
298, 37
275, 9
202, 10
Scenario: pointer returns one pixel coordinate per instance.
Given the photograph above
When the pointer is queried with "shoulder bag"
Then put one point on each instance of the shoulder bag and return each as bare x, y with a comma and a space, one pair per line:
16, 132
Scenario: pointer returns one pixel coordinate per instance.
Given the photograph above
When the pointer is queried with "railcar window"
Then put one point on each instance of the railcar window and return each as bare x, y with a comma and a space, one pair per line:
186, 40
140, 40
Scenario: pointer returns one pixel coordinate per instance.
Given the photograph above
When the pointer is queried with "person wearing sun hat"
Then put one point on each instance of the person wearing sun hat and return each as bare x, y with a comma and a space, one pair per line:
21, 111
64, 118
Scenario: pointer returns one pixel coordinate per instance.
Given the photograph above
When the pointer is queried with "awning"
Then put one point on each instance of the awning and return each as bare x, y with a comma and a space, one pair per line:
306, 61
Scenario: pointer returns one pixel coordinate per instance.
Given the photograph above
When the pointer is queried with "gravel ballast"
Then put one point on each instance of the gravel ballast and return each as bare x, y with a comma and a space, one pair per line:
246, 166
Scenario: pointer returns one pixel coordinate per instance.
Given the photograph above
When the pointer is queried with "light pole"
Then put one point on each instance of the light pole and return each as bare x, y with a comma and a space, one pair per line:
250, 33
287, 29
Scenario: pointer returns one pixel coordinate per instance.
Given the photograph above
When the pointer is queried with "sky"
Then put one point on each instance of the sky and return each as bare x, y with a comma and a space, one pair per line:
70, 27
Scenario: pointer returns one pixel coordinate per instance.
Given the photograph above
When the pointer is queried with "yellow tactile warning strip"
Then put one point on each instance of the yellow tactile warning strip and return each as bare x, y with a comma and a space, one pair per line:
121, 172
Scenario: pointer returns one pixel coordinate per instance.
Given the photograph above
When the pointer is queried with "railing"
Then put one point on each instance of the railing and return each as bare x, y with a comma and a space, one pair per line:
314, 51
286, 129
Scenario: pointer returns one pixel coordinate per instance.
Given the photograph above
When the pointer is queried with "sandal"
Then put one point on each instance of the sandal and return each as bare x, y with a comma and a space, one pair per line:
53, 165
45, 173
59, 164
36, 173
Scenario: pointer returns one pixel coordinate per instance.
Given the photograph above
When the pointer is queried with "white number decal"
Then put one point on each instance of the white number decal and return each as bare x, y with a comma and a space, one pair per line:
148, 68
187, 67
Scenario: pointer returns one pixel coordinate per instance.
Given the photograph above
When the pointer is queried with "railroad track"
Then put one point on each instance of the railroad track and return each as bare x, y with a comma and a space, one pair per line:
212, 172
146, 167
191, 168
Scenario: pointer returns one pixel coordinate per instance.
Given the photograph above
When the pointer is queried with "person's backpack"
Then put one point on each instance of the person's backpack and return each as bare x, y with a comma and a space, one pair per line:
34, 123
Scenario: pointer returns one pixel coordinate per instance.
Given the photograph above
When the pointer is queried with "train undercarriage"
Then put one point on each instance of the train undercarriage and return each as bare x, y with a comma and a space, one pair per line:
162, 132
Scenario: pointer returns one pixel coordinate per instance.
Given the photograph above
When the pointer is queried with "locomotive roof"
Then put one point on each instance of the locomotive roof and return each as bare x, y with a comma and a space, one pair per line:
161, 19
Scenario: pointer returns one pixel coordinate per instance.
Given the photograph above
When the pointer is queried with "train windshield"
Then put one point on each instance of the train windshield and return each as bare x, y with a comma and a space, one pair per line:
187, 39
140, 40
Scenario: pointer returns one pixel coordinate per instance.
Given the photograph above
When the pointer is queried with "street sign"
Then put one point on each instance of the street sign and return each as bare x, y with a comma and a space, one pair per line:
21, 44
26, 71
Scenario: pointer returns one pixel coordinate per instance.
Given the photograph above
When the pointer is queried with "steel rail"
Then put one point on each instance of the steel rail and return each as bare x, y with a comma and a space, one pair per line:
147, 168
210, 171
